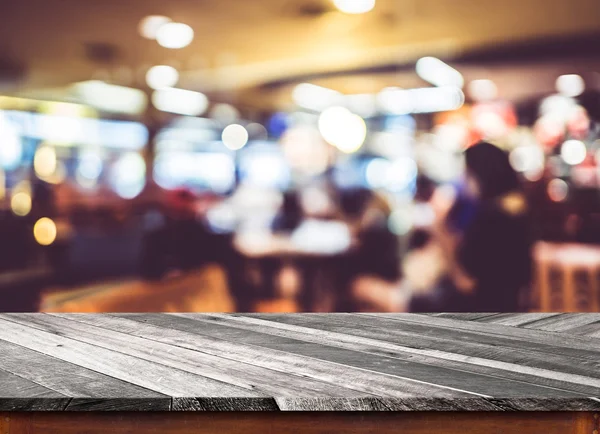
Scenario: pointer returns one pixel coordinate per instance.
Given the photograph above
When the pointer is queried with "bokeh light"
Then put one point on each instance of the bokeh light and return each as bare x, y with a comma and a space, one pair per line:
305, 150
235, 137
180, 101
400, 222
224, 113
175, 35
483, 90
2, 184
162, 76
20, 204
257, 131
45, 231
354, 6
59, 175
527, 158
313, 97
570, 85
11, 148
150, 25
45, 162
89, 169
558, 190
128, 175
342, 129
438, 73
573, 152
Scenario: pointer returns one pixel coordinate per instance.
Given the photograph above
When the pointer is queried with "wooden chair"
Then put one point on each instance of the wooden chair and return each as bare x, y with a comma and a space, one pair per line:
567, 278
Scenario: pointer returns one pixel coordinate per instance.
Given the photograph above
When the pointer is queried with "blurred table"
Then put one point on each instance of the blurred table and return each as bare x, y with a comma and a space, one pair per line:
202, 290
567, 277
303, 259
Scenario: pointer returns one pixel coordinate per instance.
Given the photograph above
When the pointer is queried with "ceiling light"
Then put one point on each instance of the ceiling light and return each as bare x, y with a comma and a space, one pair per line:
313, 97
162, 76
354, 6
175, 35
111, 98
393, 100
150, 25
343, 129
438, 73
180, 101
425, 100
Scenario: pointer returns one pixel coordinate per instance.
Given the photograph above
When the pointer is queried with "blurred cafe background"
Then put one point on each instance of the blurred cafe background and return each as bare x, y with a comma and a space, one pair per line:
299, 155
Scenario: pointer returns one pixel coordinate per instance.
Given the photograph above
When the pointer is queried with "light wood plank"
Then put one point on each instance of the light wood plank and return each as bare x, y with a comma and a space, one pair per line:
558, 340
513, 319
153, 376
221, 341
251, 377
436, 365
564, 322
577, 362
89, 389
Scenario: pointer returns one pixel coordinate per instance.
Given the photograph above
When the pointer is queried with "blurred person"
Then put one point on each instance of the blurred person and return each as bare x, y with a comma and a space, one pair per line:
377, 249
290, 215
483, 239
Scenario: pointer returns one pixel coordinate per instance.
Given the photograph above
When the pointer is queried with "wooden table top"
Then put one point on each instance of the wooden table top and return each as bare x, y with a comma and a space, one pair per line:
272, 362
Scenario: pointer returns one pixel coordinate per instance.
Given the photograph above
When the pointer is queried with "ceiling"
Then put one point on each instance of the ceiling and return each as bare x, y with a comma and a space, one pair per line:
240, 47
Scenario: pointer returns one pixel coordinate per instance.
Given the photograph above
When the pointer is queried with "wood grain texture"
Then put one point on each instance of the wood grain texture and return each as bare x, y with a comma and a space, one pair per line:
484, 362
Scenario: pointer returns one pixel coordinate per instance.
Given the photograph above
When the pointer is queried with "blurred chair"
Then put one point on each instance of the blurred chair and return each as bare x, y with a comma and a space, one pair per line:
567, 278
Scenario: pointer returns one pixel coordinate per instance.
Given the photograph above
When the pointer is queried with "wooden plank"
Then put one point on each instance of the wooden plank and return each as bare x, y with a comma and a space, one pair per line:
560, 341
476, 379
433, 356
337, 404
235, 344
225, 404
79, 383
141, 372
513, 319
251, 377
564, 322
573, 361
20, 394
589, 330
462, 316
308, 423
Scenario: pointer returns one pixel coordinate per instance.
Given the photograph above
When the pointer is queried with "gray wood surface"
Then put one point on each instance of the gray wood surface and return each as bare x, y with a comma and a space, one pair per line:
300, 362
